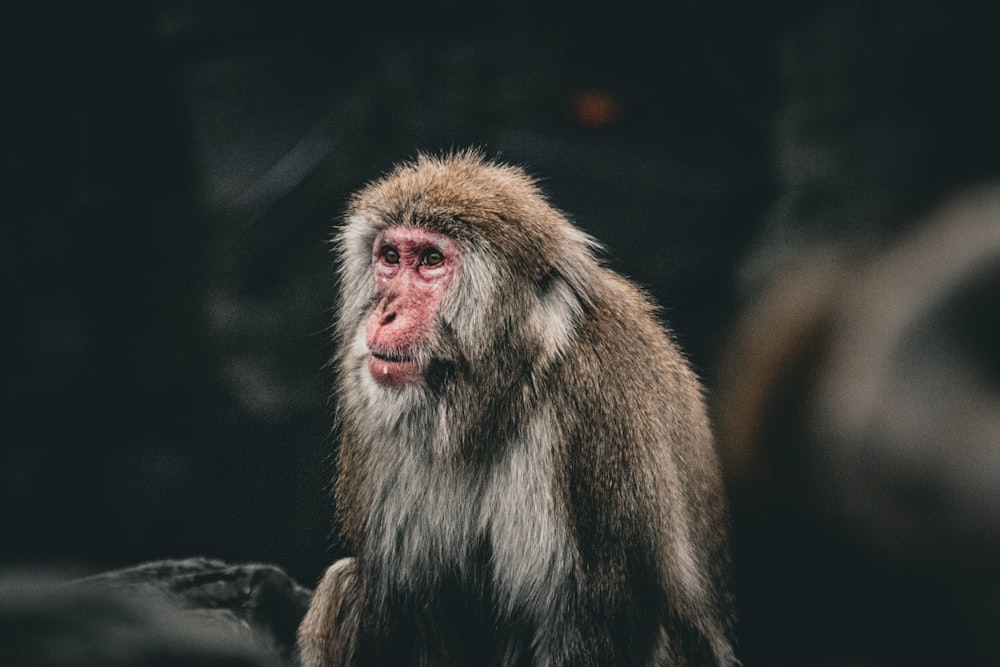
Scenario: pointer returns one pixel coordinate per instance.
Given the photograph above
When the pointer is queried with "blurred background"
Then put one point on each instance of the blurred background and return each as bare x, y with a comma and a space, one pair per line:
811, 191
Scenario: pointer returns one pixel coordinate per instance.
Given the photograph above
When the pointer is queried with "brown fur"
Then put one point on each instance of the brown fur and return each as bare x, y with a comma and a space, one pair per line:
550, 494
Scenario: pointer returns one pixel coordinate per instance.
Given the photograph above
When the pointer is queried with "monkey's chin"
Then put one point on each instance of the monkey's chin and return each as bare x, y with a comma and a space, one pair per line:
393, 373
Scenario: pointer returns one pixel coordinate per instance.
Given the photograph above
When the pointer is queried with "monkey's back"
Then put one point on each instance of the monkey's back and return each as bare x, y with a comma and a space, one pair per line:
643, 488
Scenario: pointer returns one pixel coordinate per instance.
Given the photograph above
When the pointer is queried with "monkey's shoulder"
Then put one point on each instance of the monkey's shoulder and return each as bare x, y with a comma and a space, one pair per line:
622, 342
627, 392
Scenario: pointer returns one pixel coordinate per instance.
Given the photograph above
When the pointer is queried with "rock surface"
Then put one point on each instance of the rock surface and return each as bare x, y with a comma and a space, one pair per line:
194, 611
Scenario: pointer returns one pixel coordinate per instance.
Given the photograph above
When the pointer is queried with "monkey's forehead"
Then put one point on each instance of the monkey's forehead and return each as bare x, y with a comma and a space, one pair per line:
475, 202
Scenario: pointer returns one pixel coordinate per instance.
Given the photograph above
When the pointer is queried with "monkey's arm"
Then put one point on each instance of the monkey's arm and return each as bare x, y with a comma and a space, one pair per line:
328, 634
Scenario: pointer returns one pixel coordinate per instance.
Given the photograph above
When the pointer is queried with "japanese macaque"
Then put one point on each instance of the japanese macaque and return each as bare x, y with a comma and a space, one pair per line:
526, 473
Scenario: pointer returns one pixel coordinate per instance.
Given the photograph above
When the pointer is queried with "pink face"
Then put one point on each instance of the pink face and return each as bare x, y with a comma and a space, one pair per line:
413, 269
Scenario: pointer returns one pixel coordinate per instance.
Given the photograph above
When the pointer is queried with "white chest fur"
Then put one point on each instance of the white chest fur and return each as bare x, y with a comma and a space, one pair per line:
431, 516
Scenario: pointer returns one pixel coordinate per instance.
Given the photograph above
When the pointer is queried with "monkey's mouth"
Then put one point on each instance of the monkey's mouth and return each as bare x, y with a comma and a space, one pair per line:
394, 357
392, 368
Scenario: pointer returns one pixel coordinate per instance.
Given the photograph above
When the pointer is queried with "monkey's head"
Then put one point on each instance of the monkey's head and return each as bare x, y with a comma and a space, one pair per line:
456, 265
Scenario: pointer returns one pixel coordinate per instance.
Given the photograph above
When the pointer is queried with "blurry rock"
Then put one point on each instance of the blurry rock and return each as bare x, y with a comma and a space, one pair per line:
883, 362
858, 413
184, 612
905, 417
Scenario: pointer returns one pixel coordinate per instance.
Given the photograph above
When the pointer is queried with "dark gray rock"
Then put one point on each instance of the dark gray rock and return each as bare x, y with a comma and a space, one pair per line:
194, 611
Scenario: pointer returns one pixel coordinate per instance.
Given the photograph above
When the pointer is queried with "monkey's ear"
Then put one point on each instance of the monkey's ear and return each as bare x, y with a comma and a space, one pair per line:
555, 316
577, 265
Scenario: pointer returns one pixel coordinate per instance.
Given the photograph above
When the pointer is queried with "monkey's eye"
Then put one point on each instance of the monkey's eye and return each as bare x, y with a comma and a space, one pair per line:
433, 257
390, 255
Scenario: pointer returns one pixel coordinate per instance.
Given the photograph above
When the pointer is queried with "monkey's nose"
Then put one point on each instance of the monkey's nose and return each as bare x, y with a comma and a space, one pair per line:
388, 308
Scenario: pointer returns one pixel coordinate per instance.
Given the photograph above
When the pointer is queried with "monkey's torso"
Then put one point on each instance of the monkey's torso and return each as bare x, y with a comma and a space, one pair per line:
565, 512
465, 554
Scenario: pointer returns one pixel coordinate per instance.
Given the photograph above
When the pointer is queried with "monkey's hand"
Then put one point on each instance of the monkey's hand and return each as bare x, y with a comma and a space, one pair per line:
329, 632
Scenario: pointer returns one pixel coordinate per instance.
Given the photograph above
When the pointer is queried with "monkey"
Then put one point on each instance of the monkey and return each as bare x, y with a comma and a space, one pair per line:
525, 471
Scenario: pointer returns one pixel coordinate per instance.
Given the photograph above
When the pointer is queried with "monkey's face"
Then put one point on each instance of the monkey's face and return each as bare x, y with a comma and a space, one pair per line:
455, 275
413, 270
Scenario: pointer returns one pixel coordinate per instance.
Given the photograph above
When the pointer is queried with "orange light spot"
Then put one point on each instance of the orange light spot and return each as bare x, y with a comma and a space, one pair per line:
595, 108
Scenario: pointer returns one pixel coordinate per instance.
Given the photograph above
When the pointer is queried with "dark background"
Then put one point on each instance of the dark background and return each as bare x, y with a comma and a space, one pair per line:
174, 170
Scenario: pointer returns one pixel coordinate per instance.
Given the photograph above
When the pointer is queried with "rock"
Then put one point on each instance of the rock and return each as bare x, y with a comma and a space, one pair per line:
193, 611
